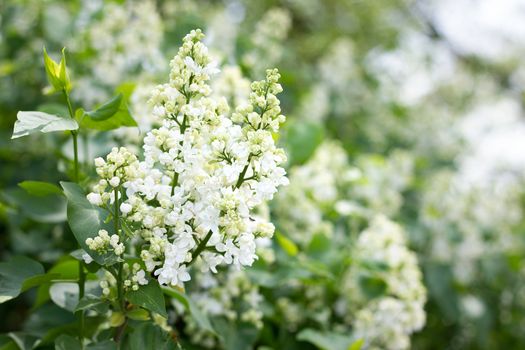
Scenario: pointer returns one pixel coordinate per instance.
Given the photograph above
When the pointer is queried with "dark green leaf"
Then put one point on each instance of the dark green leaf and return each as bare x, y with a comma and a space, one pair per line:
149, 297
89, 302
25, 341
150, 336
107, 110
372, 286
14, 273
104, 345
40, 188
67, 342
85, 220
47, 209
32, 121
235, 336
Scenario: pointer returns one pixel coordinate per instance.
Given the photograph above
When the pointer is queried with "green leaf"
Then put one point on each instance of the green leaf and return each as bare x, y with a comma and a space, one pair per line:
150, 336
104, 345
287, 244
111, 115
302, 139
38, 280
85, 220
52, 72
40, 188
57, 73
326, 340
357, 345
372, 286
64, 270
47, 209
200, 317
236, 336
24, 341
138, 314
90, 302
67, 342
31, 122
13, 275
107, 110
62, 74
149, 297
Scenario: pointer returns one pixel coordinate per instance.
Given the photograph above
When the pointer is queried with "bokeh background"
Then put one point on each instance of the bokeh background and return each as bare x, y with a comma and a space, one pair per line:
420, 103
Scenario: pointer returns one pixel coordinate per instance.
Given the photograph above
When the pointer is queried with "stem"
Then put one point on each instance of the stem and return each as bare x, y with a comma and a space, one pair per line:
86, 151
240, 180
200, 248
174, 182
120, 332
74, 133
75, 150
81, 272
120, 282
81, 291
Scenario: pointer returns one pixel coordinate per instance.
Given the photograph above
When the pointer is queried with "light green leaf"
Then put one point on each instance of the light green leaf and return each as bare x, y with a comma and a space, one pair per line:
287, 244
149, 297
111, 115
40, 188
200, 317
32, 121
65, 295
85, 220
52, 72
326, 340
357, 345
67, 342
14, 273
302, 138
57, 73
138, 314
107, 110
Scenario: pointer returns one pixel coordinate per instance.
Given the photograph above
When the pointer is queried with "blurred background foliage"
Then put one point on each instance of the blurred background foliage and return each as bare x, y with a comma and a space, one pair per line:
425, 98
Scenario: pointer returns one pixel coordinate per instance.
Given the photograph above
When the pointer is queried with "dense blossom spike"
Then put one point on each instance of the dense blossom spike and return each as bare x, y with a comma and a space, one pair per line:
203, 171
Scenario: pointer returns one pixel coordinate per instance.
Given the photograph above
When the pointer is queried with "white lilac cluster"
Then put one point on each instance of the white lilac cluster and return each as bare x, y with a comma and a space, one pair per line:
337, 79
383, 180
387, 321
103, 242
467, 223
267, 40
119, 167
315, 188
124, 38
204, 171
